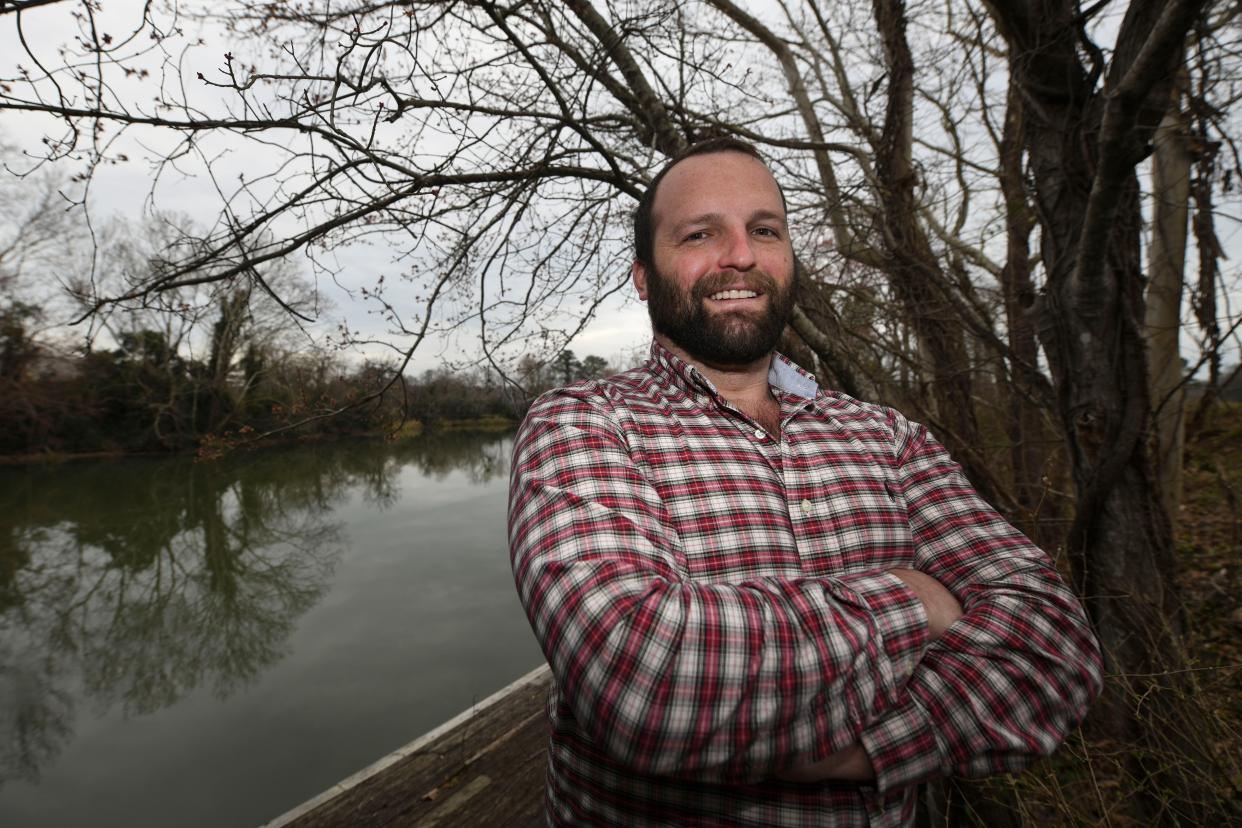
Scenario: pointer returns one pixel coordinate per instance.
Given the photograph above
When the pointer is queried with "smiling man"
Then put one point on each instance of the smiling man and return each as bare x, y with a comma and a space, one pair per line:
765, 603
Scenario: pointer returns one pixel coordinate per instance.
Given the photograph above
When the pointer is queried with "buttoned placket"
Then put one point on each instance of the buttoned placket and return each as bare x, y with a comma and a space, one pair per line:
798, 486
768, 446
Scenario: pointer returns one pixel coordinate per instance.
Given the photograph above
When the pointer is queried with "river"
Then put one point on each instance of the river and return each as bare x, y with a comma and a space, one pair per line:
213, 643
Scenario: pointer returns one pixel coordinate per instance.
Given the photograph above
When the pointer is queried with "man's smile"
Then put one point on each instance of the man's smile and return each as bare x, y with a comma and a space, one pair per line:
729, 295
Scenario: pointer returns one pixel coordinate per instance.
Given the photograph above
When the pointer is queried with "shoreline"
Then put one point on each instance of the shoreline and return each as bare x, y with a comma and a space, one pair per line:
410, 430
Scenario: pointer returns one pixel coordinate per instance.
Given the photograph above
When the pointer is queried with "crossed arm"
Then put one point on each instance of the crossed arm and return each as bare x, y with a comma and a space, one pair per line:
882, 673
852, 762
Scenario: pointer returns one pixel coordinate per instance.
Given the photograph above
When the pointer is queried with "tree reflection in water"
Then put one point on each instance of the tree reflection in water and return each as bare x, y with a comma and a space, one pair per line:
481, 456
134, 582
145, 579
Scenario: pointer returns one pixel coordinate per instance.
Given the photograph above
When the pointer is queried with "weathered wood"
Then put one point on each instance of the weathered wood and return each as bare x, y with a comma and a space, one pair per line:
484, 767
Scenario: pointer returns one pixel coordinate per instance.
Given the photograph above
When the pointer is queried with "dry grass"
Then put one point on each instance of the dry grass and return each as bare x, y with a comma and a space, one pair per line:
1096, 782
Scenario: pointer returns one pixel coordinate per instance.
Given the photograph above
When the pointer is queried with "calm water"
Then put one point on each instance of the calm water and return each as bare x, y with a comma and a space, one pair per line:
211, 644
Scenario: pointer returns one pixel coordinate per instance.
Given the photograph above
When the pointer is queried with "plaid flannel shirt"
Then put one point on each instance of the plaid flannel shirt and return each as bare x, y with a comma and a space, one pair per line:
715, 604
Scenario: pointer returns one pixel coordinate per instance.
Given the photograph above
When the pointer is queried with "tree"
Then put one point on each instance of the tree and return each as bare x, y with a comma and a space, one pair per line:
593, 367
222, 340
40, 228
568, 367
965, 197
17, 349
1170, 172
1090, 124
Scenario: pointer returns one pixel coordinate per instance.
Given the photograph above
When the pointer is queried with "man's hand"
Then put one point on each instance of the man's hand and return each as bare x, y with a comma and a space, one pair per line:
942, 608
851, 764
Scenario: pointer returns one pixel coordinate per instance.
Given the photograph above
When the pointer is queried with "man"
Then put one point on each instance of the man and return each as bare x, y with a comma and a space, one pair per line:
765, 603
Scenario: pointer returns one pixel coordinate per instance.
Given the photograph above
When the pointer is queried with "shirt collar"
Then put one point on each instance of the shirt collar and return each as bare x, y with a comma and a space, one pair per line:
783, 374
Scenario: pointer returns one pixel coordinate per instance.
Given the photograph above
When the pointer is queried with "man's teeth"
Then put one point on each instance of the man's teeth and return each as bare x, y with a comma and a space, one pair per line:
734, 294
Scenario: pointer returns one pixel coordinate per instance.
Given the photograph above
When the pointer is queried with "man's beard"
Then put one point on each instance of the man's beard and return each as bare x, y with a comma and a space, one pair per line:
725, 337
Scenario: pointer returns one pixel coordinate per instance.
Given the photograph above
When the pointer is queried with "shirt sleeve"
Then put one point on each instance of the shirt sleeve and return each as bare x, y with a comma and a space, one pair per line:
673, 676
1007, 681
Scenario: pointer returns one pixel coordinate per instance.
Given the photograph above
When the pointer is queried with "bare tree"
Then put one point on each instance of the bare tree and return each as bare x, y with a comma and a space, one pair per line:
1170, 173
1090, 124
965, 196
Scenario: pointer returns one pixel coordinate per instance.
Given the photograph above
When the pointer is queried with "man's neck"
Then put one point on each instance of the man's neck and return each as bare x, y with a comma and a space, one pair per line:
746, 386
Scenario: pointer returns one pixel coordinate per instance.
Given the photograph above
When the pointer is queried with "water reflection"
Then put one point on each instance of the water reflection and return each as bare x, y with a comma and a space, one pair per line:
481, 456
133, 583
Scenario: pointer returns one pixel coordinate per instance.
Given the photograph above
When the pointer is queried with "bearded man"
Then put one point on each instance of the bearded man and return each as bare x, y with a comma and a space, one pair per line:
765, 603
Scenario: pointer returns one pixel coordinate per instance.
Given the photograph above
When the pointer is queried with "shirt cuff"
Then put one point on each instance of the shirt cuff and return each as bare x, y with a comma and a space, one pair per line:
902, 623
903, 748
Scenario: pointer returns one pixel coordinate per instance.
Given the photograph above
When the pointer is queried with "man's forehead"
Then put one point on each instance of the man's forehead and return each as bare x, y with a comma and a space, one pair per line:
700, 172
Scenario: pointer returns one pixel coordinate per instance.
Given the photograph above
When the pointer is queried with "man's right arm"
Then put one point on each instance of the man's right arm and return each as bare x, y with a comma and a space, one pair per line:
673, 676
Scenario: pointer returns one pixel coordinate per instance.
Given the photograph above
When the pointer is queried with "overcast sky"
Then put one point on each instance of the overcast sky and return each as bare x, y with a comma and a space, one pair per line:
131, 190
127, 189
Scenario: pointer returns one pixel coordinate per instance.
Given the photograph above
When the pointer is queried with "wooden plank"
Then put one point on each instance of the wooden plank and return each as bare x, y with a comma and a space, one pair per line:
484, 766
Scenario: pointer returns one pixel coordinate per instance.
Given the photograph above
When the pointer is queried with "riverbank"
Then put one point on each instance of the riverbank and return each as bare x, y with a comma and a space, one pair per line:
212, 448
413, 428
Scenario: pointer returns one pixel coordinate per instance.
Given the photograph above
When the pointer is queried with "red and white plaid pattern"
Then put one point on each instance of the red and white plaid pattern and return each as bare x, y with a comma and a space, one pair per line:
715, 605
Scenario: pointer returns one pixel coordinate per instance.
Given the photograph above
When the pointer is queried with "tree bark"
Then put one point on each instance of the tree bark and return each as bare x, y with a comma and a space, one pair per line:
911, 263
1170, 186
1084, 143
1028, 454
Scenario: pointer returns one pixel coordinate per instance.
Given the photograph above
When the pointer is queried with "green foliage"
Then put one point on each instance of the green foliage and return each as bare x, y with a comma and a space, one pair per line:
568, 368
593, 367
143, 396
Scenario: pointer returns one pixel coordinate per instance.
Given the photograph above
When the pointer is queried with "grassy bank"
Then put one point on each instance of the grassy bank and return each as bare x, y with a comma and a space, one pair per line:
413, 428
1087, 781
212, 446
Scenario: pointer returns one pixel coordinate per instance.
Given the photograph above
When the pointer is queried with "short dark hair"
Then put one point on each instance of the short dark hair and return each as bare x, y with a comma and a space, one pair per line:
643, 241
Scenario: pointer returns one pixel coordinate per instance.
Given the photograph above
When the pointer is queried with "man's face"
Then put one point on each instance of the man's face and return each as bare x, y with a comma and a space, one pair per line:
722, 283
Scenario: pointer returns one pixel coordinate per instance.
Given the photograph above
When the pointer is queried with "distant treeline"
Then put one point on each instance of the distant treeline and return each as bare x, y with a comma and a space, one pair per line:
143, 396
453, 395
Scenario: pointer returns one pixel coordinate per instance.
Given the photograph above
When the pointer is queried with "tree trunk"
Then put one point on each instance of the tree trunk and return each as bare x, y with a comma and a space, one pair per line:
1028, 454
911, 264
1170, 187
1084, 144
225, 339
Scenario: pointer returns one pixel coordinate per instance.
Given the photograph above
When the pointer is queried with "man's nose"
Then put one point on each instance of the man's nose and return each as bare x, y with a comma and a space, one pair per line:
737, 252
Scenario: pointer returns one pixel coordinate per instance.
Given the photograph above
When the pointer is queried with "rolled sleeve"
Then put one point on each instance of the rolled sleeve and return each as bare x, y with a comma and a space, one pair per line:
901, 620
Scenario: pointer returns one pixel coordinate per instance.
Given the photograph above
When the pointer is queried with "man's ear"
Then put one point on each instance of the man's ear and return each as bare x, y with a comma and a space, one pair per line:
638, 272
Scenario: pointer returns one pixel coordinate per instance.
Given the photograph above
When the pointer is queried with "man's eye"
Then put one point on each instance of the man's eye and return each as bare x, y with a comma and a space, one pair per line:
696, 235
766, 231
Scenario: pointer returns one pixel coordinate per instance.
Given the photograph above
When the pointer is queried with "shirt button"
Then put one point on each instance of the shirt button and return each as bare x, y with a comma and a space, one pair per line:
806, 507
760, 434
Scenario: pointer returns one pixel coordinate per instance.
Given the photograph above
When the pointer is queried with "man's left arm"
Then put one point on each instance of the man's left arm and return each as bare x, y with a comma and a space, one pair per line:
1010, 678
